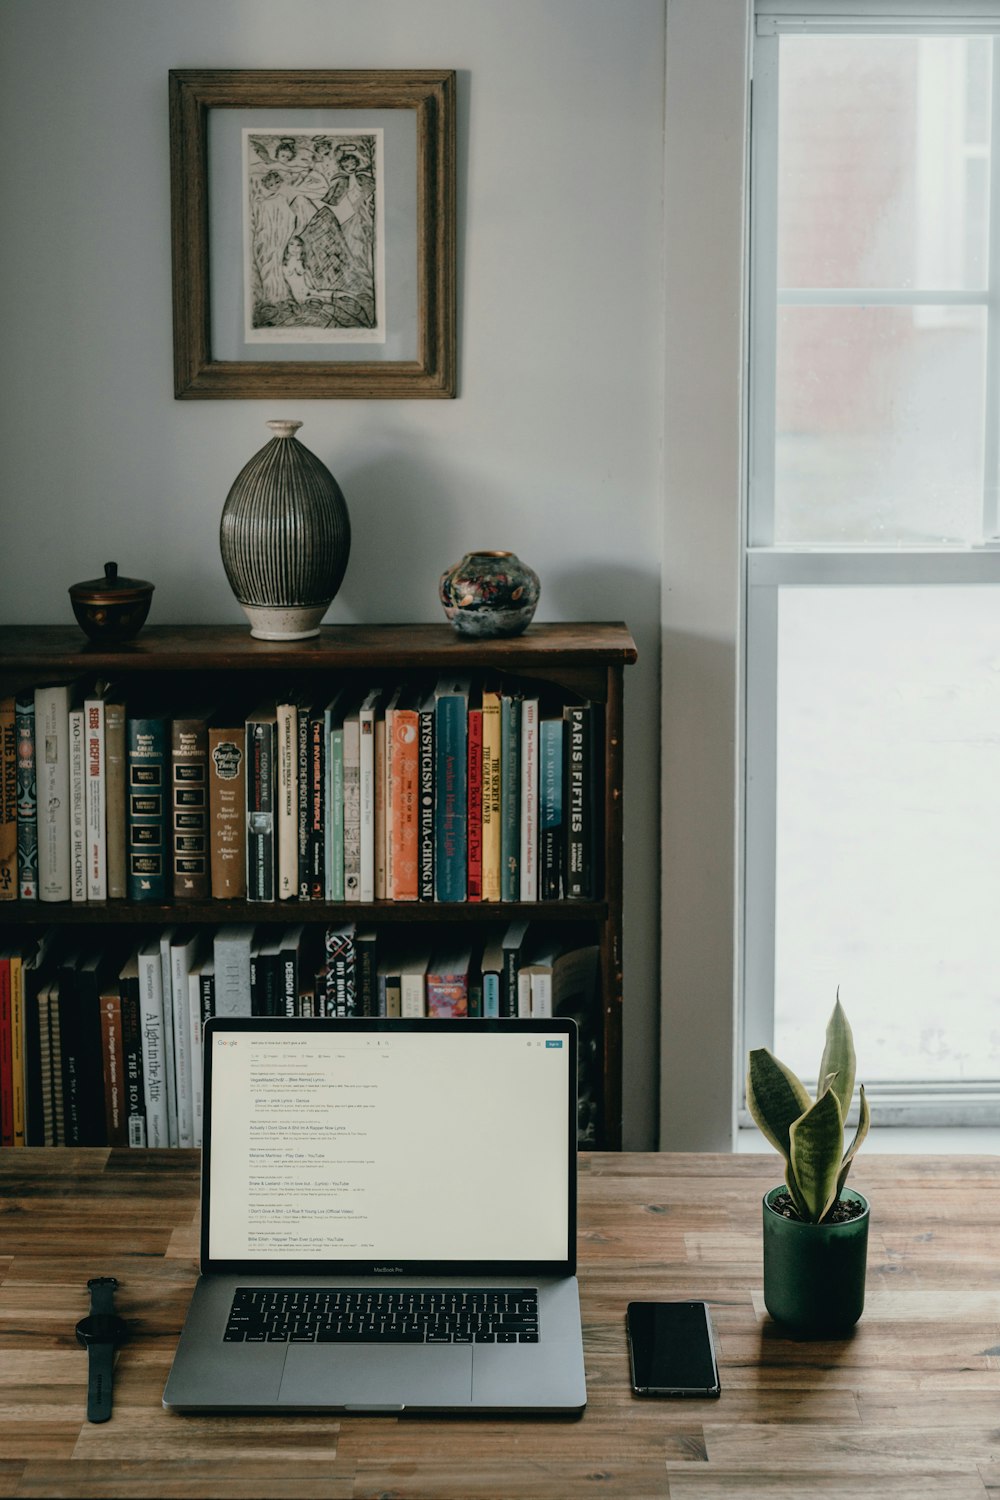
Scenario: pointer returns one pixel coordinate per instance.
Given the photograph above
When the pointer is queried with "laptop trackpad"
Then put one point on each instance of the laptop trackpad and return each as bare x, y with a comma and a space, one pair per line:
390, 1376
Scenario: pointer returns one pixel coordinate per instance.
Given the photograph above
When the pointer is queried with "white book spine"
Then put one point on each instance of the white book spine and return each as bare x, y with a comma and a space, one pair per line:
288, 801
529, 800
523, 993
541, 993
412, 994
170, 1062
366, 891
77, 806
232, 970
180, 969
96, 801
52, 780
153, 1046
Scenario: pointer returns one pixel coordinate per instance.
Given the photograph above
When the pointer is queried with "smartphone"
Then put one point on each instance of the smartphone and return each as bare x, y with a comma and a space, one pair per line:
671, 1349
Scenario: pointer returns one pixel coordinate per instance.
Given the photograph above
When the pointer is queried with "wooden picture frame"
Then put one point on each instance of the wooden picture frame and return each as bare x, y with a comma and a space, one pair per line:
373, 317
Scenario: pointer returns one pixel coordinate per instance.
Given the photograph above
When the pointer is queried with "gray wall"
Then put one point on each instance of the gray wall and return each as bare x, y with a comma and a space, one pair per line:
552, 448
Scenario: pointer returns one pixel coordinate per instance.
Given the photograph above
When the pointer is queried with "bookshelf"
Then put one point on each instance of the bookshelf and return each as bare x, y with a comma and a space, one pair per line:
581, 659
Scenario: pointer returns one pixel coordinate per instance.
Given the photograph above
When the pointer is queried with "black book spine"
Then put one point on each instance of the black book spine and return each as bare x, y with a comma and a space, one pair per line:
260, 811
135, 1092
148, 812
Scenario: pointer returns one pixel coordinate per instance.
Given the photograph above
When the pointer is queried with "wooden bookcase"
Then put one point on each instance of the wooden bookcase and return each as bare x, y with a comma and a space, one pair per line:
585, 659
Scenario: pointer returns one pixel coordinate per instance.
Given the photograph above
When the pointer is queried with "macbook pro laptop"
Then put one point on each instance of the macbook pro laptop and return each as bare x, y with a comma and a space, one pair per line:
388, 1219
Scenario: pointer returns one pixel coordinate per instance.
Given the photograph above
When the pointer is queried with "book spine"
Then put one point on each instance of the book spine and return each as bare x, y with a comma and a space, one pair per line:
17, 1049
55, 1110
579, 829
194, 1022
337, 814
8, 801
474, 815
77, 805
304, 806
169, 1045
491, 796
381, 809
550, 811
352, 809
181, 1012
425, 843
450, 798
404, 792
365, 960
115, 1118
366, 886
508, 981
227, 812
6, 1058
412, 994
147, 809
135, 1084
260, 810
232, 972
52, 777
189, 780
27, 799
154, 1067
288, 801
491, 994
34, 1130
317, 810
95, 776
528, 841
510, 798
114, 797
447, 995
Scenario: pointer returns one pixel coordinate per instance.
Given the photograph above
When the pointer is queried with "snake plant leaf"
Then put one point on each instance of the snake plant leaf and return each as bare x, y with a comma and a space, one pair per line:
864, 1120
795, 1193
775, 1097
838, 1057
816, 1142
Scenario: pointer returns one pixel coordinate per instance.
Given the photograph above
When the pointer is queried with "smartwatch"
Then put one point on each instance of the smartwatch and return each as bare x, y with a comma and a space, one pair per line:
100, 1334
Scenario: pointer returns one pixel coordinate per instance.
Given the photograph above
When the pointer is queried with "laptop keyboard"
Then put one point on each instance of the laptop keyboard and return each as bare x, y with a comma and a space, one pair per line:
267, 1315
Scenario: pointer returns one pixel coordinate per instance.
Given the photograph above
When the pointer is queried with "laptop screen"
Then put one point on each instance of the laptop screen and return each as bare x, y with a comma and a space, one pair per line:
386, 1146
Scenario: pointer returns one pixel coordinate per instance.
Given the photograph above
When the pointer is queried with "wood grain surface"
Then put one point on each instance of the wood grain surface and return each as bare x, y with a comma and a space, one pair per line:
907, 1407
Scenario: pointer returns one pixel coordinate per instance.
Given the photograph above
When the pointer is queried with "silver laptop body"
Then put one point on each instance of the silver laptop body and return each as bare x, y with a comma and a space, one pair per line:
353, 1163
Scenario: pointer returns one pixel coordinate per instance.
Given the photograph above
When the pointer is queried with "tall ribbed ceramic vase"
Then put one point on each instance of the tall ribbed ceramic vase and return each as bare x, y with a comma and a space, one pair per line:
285, 538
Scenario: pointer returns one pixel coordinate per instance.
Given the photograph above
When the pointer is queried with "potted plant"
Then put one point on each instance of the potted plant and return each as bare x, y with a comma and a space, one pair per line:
815, 1229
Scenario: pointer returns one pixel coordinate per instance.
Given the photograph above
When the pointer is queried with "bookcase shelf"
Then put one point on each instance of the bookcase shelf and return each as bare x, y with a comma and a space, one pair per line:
585, 659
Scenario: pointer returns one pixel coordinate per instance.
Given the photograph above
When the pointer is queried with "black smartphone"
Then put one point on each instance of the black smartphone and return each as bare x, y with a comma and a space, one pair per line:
671, 1349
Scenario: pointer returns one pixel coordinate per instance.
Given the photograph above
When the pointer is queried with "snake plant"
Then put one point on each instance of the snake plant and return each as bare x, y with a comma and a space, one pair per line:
810, 1133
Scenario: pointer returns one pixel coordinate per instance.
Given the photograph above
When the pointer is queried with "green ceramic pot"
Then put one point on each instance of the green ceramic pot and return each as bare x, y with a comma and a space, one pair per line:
814, 1274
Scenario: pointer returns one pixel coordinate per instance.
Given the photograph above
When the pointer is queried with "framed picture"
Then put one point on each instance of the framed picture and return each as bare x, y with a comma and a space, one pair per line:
313, 233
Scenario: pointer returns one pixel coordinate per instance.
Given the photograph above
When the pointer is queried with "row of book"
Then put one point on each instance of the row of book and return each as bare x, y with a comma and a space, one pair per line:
458, 790
101, 1042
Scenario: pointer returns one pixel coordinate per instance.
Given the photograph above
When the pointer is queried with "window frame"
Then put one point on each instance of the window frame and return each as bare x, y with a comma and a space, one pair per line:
768, 568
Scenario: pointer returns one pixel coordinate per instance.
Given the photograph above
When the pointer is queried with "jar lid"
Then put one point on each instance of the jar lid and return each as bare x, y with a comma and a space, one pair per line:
110, 587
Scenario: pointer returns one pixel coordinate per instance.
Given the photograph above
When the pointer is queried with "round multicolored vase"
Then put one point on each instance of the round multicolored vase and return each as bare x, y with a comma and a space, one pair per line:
489, 594
285, 538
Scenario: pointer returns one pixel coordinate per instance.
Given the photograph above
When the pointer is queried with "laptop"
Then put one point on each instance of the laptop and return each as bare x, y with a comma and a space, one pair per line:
388, 1219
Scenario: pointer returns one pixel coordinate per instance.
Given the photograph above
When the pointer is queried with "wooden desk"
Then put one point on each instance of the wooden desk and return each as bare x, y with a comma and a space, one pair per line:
910, 1406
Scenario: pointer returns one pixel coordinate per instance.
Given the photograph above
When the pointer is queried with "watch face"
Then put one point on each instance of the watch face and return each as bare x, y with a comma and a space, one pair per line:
100, 1328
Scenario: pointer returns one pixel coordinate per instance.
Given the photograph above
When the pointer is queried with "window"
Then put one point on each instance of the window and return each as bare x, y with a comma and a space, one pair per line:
872, 648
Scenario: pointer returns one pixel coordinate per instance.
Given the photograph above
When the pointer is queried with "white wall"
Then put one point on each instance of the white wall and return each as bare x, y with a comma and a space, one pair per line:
552, 448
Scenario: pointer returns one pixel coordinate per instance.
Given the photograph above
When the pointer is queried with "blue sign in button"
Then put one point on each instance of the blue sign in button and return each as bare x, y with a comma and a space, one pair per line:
554, 1044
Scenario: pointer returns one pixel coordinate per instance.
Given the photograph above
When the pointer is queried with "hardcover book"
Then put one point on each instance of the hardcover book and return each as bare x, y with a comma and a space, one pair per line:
189, 786
512, 944
115, 1117
528, 836
367, 715
227, 806
261, 791
492, 759
17, 1043
474, 800
154, 1035
95, 794
352, 804
510, 796
426, 771
52, 779
316, 848
451, 697
184, 948
148, 823
133, 1074
27, 798
550, 808
579, 811
403, 837
287, 799
333, 734
77, 801
8, 801
231, 947
115, 757
447, 982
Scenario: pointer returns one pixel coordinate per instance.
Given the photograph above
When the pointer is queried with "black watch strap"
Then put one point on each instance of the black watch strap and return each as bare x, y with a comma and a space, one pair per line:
100, 1374
101, 1352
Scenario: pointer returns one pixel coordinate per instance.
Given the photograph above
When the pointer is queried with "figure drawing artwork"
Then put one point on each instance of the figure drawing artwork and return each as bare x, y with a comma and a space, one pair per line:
313, 236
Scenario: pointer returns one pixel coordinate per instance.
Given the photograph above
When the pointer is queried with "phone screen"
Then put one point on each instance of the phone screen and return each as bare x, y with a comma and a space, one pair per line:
671, 1349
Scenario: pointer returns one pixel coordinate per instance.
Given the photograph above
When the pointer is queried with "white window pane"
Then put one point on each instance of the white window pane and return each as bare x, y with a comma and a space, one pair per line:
874, 135
888, 828
879, 421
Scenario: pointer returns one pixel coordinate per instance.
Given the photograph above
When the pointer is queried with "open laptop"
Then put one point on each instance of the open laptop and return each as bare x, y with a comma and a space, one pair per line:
388, 1219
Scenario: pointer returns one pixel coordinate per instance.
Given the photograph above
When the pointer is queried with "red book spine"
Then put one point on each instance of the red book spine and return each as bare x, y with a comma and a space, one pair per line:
474, 787
6, 1058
